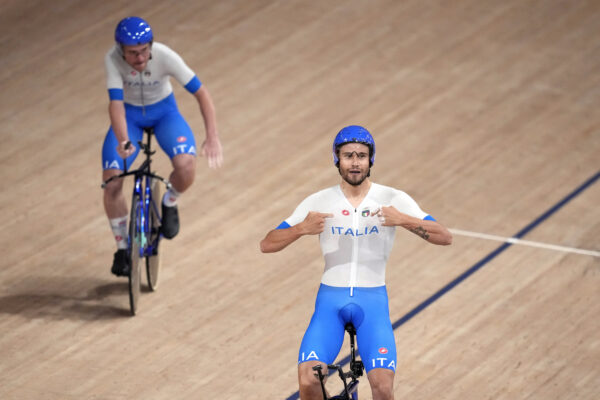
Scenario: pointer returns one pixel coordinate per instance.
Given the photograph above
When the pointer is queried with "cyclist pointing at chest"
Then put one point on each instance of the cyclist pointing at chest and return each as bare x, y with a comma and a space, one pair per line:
141, 96
356, 223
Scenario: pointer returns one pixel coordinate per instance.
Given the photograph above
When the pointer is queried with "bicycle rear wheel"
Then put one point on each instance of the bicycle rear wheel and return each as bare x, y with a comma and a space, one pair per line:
153, 261
134, 253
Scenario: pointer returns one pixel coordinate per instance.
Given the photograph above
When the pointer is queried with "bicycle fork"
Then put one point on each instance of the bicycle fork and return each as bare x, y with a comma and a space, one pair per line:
141, 220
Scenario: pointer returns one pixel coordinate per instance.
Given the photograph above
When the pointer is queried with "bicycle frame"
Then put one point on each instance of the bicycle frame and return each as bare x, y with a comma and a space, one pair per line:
143, 192
350, 391
144, 221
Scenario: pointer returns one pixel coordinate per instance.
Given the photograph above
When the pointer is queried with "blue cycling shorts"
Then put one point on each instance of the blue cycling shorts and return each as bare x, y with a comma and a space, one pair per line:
367, 309
172, 132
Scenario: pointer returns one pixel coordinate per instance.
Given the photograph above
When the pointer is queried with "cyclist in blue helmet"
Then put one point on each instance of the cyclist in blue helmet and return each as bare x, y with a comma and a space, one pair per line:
133, 31
138, 72
356, 224
354, 134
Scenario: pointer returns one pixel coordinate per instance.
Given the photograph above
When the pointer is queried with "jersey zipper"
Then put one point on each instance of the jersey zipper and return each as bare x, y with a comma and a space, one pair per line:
354, 261
142, 94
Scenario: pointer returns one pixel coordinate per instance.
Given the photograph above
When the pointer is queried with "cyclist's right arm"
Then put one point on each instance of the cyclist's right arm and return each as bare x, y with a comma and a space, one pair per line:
116, 106
280, 238
116, 111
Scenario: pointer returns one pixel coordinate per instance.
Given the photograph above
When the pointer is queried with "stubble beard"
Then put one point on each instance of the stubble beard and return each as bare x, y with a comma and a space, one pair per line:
348, 177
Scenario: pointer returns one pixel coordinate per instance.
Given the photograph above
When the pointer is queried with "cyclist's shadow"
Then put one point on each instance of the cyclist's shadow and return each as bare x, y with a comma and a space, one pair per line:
61, 298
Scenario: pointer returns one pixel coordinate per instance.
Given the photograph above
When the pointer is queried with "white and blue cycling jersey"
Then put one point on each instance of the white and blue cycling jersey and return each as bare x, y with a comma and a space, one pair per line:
153, 84
355, 244
149, 102
356, 247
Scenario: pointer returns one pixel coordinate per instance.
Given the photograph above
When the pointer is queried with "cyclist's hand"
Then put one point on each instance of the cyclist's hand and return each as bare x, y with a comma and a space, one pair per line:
314, 223
212, 150
389, 216
125, 149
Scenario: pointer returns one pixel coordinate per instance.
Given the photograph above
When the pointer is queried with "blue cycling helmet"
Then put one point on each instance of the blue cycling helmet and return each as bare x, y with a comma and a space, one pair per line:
132, 31
353, 134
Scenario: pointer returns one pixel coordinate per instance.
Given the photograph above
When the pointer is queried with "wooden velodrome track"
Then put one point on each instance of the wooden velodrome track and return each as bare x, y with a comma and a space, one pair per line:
486, 112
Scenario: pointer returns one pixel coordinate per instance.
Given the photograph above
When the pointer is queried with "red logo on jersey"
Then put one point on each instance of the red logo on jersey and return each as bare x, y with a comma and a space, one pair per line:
118, 238
181, 139
383, 350
345, 212
133, 73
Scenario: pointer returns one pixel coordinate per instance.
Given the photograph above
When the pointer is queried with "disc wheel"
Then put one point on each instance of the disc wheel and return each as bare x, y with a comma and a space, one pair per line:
153, 260
134, 253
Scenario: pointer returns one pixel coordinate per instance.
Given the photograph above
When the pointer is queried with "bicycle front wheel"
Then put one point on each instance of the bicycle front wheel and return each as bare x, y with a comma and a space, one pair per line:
134, 253
153, 260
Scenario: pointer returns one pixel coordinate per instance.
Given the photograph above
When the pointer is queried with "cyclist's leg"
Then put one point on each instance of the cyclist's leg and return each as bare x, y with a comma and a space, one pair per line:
177, 140
308, 380
322, 340
184, 172
112, 164
376, 343
115, 204
382, 383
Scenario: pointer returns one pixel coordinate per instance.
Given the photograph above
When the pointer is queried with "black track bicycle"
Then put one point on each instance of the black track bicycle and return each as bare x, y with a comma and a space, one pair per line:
350, 378
144, 222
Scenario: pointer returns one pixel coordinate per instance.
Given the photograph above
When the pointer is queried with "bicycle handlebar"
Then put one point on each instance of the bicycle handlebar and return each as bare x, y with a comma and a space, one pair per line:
350, 374
136, 172
143, 170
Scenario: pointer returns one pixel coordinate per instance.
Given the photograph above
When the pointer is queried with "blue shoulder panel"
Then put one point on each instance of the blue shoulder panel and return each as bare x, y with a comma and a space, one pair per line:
429, 218
283, 225
115, 94
193, 85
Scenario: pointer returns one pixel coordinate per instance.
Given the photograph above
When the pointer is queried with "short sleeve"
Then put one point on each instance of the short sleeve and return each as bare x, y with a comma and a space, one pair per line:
405, 204
300, 212
113, 77
175, 66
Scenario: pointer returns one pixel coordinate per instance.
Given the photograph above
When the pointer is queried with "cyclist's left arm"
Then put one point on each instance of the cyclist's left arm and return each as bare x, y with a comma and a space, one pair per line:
414, 219
211, 147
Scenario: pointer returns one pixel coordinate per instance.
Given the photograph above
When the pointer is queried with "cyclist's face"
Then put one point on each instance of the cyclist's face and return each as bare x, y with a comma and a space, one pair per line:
137, 56
354, 162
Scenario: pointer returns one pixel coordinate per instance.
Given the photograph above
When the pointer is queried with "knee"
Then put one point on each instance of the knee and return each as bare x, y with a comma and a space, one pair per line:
113, 190
382, 384
382, 390
308, 379
185, 167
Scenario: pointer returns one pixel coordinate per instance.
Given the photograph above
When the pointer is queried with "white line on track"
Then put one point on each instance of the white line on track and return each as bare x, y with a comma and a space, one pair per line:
514, 240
